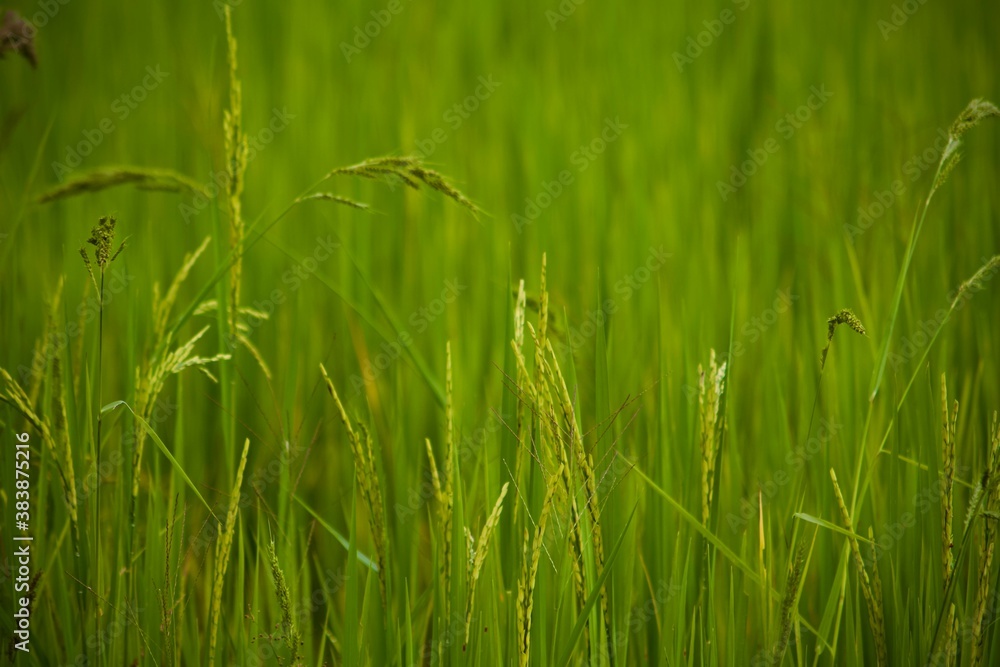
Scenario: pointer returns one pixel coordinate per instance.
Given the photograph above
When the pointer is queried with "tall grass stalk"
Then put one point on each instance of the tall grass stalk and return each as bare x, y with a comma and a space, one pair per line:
223, 547
974, 113
102, 237
339, 550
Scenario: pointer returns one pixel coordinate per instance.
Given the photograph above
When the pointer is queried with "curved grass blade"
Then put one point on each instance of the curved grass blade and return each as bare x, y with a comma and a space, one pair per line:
144, 178
369, 318
336, 534
728, 553
581, 619
826, 524
163, 448
410, 350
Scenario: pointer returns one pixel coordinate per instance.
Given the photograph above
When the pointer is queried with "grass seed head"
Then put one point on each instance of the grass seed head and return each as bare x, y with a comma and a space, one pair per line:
788, 603
222, 549
360, 441
408, 170
974, 113
948, 427
983, 596
102, 237
979, 278
529, 571
876, 619
478, 556
844, 316
710, 391
143, 178
290, 632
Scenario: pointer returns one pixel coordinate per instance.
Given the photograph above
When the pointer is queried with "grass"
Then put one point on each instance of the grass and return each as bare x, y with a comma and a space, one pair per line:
421, 433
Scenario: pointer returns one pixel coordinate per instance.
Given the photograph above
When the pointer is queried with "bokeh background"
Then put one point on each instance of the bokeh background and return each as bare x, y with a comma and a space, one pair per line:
689, 113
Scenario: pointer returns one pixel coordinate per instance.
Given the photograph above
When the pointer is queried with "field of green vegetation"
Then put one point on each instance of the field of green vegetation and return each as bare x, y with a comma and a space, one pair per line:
505, 333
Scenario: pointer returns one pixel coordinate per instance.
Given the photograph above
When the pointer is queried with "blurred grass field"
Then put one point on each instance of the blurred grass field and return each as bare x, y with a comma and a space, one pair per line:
599, 137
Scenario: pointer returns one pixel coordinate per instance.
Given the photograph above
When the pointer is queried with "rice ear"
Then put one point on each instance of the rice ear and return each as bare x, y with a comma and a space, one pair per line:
291, 635
237, 150
480, 557
150, 381
948, 480
337, 199
983, 594
709, 402
410, 170
876, 617
144, 178
360, 442
788, 603
447, 507
222, 549
435, 478
65, 446
529, 573
163, 306
975, 112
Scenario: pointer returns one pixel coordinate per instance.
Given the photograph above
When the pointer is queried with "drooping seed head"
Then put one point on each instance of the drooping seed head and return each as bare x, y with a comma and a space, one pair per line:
976, 111
844, 316
973, 114
979, 278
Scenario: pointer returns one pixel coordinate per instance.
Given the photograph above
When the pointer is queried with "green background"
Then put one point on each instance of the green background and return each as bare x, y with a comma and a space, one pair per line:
655, 186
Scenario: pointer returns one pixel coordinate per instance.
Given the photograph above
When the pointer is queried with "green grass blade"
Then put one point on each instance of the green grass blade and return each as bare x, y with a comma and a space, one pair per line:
336, 534
574, 635
163, 448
